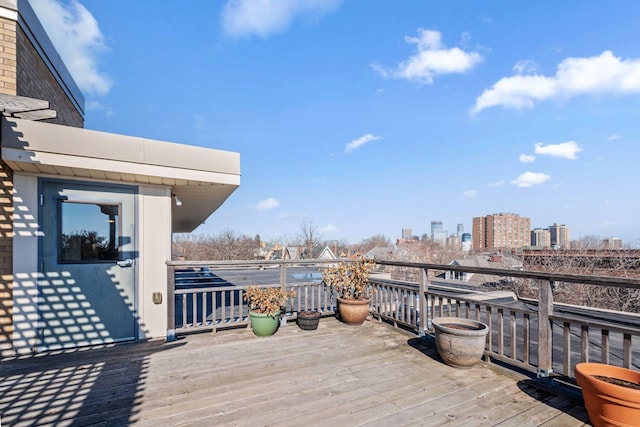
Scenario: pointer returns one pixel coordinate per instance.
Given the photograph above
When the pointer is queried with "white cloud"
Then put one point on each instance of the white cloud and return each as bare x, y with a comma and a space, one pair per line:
575, 76
79, 41
496, 184
613, 137
357, 143
430, 60
265, 204
565, 150
329, 228
529, 179
526, 66
266, 17
470, 193
527, 158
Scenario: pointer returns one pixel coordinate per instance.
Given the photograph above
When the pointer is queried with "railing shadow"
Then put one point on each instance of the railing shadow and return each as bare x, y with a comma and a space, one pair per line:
77, 387
427, 346
557, 395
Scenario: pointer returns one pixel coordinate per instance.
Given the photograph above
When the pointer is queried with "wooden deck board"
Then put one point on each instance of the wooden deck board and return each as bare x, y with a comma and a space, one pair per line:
337, 375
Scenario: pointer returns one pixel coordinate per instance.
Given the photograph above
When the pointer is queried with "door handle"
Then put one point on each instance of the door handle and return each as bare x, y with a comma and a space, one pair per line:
125, 262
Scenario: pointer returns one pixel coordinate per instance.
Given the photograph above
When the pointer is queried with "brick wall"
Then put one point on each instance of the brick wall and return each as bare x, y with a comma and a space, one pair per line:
8, 56
7, 86
35, 81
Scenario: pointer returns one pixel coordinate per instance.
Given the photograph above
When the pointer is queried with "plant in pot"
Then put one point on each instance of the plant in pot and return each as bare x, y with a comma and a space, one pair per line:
350, 280
308, 320
460, 342
611, 394
265, 307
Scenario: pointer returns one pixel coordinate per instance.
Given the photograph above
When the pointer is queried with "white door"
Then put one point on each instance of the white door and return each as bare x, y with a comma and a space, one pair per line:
88, 262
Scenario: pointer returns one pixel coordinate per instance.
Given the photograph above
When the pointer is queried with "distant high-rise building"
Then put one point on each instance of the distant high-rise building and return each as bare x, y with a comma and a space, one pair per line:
612, 243
560, 236
466, 241
407, 233
541, 238
437, 233
453, 242
460, 230
501, 231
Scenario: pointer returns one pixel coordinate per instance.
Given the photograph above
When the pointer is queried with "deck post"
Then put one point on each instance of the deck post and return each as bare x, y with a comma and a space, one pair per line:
423, 286
283, 285
283, 277
171, 301
545, 332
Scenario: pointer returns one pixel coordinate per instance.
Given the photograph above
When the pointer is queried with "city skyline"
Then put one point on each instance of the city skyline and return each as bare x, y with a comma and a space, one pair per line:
367, 126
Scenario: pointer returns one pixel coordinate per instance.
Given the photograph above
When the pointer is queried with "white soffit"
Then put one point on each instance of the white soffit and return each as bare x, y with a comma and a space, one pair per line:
202, 178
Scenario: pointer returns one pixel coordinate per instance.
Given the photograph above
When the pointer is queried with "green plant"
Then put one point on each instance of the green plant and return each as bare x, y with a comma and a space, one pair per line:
349, 279
266, 300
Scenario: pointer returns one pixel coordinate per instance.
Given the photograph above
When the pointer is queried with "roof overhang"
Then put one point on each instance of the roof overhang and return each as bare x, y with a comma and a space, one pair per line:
201, 178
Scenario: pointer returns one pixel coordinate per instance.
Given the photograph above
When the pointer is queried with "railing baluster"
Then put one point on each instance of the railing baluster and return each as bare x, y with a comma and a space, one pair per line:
584, 343
490, 325
512, 321
526, 337
604, 346
500, 332
626, 351
566, 346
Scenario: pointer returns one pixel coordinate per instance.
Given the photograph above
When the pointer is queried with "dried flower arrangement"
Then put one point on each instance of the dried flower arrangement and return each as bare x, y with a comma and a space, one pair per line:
349, 279
267, 300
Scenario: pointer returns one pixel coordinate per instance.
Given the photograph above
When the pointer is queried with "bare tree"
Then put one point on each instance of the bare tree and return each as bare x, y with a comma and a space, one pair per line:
309, 238
372, 242
224, 247
590, 260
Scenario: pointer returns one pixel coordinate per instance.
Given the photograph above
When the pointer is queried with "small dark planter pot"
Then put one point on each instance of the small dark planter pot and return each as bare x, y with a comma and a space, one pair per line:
308, 320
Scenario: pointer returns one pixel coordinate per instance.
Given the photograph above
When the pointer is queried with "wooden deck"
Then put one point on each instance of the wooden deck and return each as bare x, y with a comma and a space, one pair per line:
338, 375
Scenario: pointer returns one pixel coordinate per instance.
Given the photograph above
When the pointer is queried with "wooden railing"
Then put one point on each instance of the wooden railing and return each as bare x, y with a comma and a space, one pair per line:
536, 335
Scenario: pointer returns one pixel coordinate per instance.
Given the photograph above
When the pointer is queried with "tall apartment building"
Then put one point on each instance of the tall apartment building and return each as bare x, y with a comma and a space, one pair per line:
611, 243
407, 233
501, 231
541, 238
560, 236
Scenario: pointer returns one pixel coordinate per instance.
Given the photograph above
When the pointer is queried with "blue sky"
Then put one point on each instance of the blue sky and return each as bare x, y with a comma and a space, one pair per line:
368, 116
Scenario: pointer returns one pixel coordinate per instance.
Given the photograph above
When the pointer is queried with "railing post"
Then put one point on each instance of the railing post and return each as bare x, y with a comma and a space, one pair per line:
545, 332
283, 277
423, 286
283, 286
171, 303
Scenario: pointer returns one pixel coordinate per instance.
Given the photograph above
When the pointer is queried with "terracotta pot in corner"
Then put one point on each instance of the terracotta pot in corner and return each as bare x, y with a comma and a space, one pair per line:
609, 404
353, 311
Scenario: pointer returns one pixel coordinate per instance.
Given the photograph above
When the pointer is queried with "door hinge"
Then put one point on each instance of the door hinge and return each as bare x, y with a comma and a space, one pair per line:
42, 200
41, 266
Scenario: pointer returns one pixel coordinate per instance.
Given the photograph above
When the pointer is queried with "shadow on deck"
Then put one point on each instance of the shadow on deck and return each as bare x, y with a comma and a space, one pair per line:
338, 375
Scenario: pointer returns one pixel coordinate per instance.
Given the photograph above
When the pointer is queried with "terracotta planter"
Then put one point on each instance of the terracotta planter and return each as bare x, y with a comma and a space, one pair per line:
609, 404
353, 311
308, 320
460, 342
264, 325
